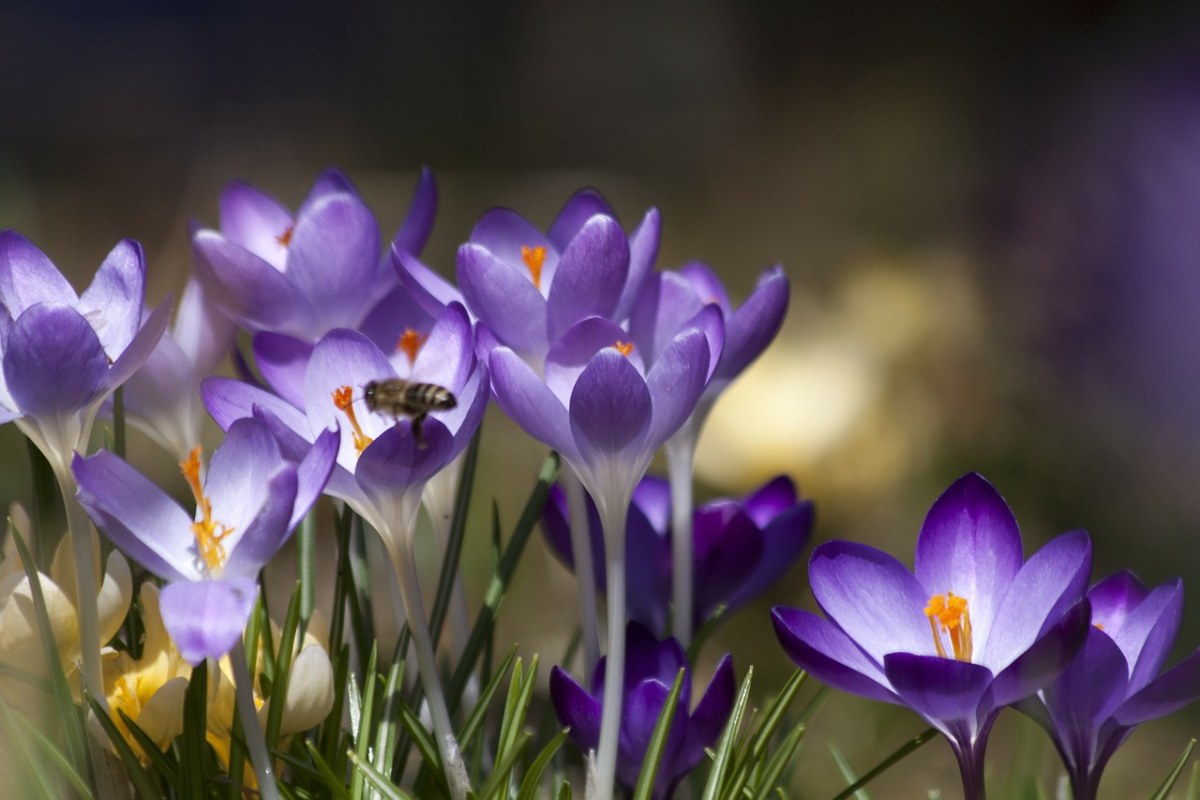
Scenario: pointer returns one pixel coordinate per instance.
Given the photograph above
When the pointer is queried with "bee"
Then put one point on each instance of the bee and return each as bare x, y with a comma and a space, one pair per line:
401, 398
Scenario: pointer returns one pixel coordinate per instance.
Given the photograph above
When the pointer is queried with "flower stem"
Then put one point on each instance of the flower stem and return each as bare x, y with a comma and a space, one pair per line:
585, 571
681, 457
256, 743
970, 764
613, 521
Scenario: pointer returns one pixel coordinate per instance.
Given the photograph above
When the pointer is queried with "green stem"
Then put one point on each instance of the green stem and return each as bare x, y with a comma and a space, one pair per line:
681, 457
612, 518
585, 572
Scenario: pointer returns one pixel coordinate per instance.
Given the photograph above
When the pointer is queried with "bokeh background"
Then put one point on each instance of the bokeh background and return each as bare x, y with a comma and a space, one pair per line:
989, 214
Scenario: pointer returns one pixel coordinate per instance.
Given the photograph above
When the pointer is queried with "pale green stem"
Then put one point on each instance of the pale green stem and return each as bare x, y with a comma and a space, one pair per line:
460, 629
256, 743
681, 457
613, 522
585, 571
414, 611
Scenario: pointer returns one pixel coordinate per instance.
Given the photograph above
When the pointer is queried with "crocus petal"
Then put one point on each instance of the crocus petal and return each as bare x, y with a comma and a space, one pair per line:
970, 545
575, 708
313, 472
1052, 580
726, 548
394, 462
754, 326
523, 396
1115, 597
268, 530
116, 592
28, 277
53, 362
430, 290
591, 274
643, 251
653, 498
771, 499
1174, 689
677, 379
441, 360
505, 299
333, 259
1043, 660
503, 233
570, 355
1151, 629
872, 597
643, 705
113, 303
418, 223
711, 713
137, 516
665, 306
783, 541
234, 481
579, 208
1089, 689
206, 618
283, 360
139, 349
228, 400
246, 285
161, 717
310, 693
706, 285
255, 221
611, 407
825, 652
948, 693
331, 181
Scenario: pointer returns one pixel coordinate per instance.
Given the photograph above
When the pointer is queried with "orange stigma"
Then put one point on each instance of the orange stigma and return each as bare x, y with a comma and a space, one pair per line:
410, 343
343, 398
534, 257
285, 238
208, 532
948, 615
624, 348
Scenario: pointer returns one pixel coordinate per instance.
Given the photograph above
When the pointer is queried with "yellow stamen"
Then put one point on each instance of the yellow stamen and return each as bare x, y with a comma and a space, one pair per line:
410, 344
343, 398
534, 257
948, 615
208, 532
624, 348
285, 238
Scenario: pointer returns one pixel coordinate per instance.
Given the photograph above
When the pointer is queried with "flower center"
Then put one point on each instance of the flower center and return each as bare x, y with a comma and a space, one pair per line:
343, 398
209, 533
949, 618
624, 348
534, 257
410, 344
285, 238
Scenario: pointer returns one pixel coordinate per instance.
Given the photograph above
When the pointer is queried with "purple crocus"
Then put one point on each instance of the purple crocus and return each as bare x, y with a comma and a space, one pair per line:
247, 505
651, 667
975, 629
1114, 683
307, 274
740, 547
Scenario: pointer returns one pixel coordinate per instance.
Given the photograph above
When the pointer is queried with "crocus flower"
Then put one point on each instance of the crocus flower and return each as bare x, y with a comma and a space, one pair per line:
740, 547
975, 629
1114, 683
529, 288
650, 670
247, 505
307, 274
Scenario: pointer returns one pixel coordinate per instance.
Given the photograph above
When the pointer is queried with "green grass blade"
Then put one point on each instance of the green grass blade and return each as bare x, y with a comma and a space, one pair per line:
497, 786
533, 776
474, 722
848, 773
35, 778
908, 747
1169, 782
141, 779
194, 748
427, 747
361, 723
1193, 787
778, 763
378, 781
26, 730
306, 563
160, 764
386, 732
724, 753
283, 668
332, 782
658, 741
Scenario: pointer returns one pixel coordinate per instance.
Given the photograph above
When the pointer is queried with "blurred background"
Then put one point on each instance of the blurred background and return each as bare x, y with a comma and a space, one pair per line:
988, 213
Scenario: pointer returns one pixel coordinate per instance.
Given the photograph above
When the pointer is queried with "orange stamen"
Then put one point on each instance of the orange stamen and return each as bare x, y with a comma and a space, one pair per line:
343, 398
624, 348
285, 238
410, 344
948, 614
534, 257
208, 532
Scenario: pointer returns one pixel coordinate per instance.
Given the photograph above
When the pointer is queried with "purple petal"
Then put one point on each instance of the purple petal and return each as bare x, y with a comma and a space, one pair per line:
137, 516
648, 567
947, 693
1149, 632
711, 714
610, 407
576, 709
523, 396
591, 274
429, 290
503, 232
1115, 597
647, 658
205, 619
344, 358
418, 223
643, 705
677, 380
970, 545
1088, 691
872, 597
267, 530
143, 344
754, 326
665, 306
783, 541
571, 354
1042, 661
464, 419
113, 303
28, 277
579, 208
503, 299
706, 285
447, 356
394, 463
771, 500
234, 482
1171, 691
397, 312
53, 362
643, 251
556, 526
331, 181
1051, 581
824, 651
245, 285
283, 360
228, 400
333, 259
255, 221
726, 549
653, 497
201, 330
